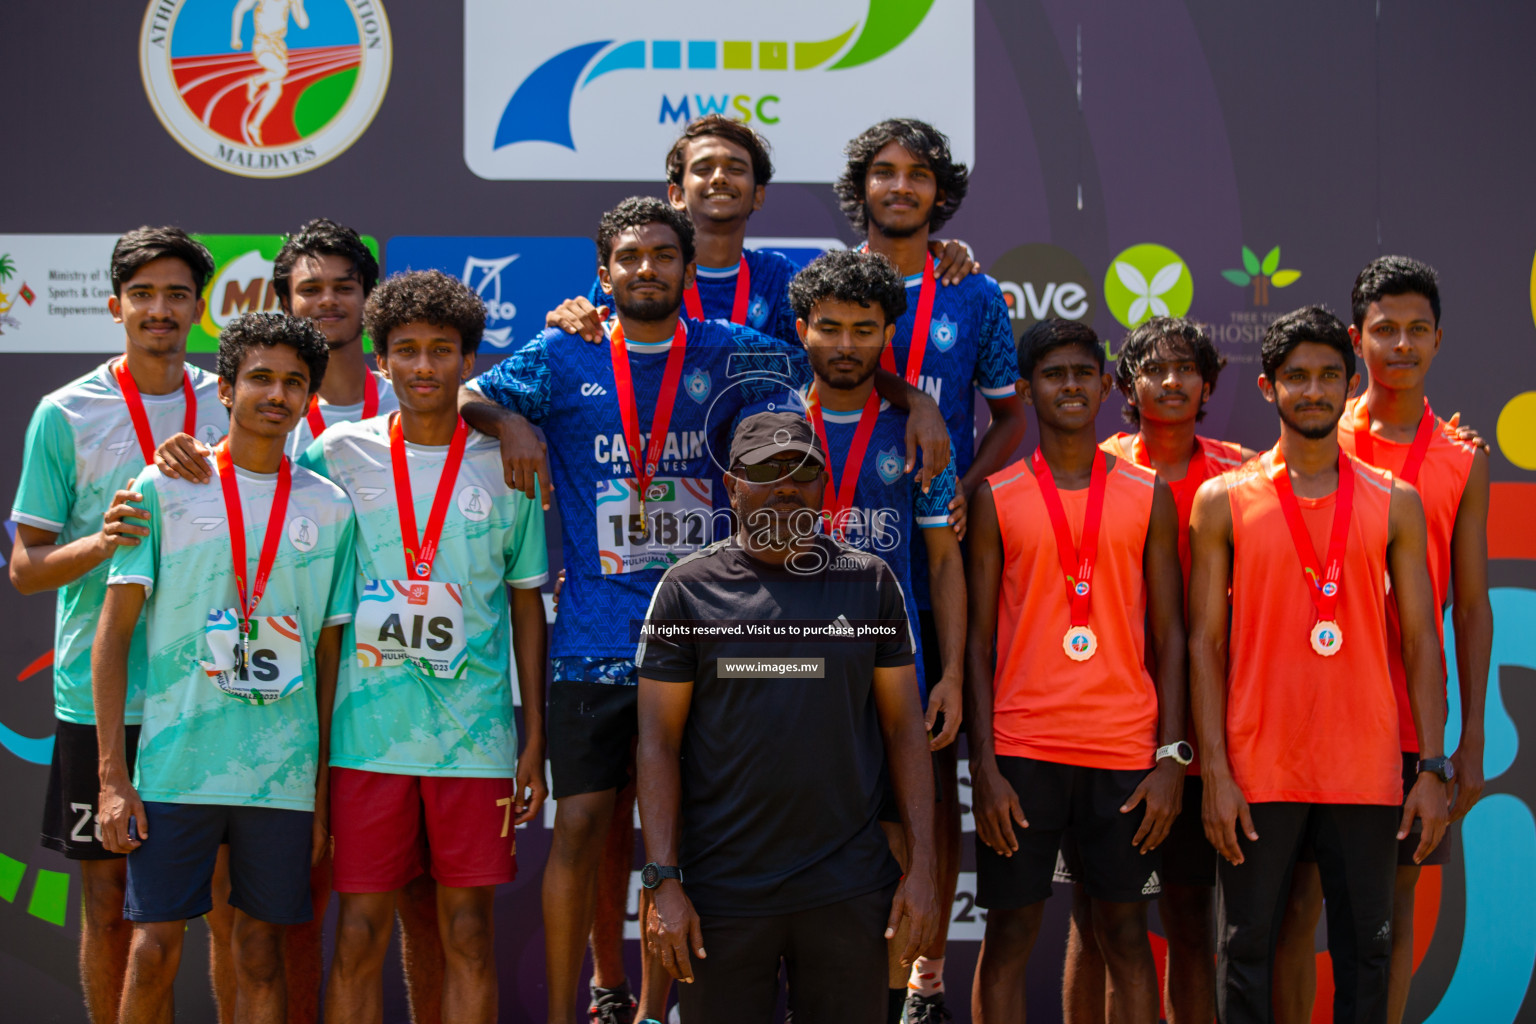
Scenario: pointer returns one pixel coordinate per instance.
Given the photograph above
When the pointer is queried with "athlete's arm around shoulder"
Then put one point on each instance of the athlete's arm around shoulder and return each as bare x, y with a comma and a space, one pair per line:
1472, 616
1223, 809
43, 505
503, 402
1407, 540
1163, 788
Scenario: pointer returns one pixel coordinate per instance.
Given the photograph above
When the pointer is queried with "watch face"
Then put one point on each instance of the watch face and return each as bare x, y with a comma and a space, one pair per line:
1186, 752
650, 876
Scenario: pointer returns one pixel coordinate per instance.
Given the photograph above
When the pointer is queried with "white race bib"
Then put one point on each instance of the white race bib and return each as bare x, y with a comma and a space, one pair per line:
414, 622
678, 520
267, 667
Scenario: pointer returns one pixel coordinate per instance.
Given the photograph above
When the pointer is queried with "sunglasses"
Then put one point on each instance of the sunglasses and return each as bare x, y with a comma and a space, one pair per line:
772, 472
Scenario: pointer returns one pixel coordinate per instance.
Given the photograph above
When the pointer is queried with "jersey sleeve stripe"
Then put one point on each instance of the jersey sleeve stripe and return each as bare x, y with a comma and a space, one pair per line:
930, 522
340, 619
997, 392
143, 581
18, 516
529, 582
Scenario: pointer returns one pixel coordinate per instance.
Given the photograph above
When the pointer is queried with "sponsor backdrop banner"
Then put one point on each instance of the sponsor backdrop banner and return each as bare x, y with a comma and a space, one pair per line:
1129, 161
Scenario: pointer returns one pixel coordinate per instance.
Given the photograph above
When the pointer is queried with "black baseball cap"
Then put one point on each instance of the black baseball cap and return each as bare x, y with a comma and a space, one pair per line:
763, 435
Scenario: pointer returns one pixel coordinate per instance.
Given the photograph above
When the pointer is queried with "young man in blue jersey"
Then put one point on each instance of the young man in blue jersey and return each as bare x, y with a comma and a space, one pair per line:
85, 444
718, 172
900, 185
846, 308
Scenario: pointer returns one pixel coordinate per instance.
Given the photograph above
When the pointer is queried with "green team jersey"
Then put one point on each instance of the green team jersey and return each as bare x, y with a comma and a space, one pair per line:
199, 745
441, 703
81, 448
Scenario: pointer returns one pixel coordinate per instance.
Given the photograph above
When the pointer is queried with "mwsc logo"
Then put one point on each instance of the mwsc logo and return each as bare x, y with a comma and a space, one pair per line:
265, 88
559, 103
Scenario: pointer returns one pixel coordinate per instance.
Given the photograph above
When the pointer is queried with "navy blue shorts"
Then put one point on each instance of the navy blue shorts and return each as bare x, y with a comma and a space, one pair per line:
170, 877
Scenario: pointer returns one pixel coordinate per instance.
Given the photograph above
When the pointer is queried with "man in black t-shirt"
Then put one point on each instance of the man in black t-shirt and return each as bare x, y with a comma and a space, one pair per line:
777, 697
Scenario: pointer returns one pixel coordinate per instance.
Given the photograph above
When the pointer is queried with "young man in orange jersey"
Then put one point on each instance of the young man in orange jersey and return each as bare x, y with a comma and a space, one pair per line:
1293, 698
1072, 555
1396, 331
1167, 369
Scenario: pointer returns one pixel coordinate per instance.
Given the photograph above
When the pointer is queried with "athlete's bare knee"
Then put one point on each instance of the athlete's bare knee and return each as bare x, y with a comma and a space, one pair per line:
258, 947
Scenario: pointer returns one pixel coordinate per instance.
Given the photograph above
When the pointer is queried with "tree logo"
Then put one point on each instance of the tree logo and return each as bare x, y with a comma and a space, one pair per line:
1147, 280
1261, 274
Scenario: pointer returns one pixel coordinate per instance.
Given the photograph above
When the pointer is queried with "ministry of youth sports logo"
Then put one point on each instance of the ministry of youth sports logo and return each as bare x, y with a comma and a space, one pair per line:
265, 88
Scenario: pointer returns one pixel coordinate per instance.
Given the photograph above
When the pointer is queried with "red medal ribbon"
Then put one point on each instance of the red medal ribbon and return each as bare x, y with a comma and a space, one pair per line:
918, 346
629, 411
695, 305
1325, 583
370, 407
1365, 444
418, 560
140, 418
275, 523
1183, 490
839, 497
1076, 562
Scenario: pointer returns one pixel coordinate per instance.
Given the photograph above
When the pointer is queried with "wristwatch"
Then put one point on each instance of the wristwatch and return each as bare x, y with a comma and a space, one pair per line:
1180, 751
653, 875
1438, 766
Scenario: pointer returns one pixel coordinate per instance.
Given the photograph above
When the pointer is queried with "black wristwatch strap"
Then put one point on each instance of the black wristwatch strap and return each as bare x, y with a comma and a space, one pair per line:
1440, 767
652, 875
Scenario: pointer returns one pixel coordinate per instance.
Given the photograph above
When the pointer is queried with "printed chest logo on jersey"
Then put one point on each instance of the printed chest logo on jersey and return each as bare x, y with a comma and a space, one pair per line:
303, 534
474, 503
889, 464
944, 333
697, 384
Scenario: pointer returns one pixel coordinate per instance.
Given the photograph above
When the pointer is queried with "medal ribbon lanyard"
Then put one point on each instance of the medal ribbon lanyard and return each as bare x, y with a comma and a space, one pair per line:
918, 346
1325, 583
1076, 562
418, 560
839, 496
370, 407
695, 305
629, 410
140, 418
1365, 444
236, 521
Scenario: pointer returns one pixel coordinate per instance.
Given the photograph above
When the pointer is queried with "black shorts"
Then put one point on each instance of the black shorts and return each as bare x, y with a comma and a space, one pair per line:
591, 729
69, 808
1188, 857
1407, 846
1061, 801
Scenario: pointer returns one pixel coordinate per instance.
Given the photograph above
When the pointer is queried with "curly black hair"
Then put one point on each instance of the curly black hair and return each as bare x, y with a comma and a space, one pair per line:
145, 245
636, 212
923, 141
1175, 335
732, 131
1046, 336
425, 296
844, 275
1394, 275
268, 330
1309, 323
323, 237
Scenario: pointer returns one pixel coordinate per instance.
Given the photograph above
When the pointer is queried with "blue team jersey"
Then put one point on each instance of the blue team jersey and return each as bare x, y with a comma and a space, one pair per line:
970, 346
768, 309
566, 386
891, 510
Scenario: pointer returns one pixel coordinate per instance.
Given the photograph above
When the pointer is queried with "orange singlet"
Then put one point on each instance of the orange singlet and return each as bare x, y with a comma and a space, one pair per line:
1301, 727
1099, 713
1216, 458
1441, 479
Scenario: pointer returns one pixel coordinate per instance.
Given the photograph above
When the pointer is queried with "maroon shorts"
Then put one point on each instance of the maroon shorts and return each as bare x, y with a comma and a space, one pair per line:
390, 828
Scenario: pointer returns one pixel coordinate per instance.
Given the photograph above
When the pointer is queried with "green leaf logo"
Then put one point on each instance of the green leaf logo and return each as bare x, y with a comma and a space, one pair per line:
1145, 281
1261, 274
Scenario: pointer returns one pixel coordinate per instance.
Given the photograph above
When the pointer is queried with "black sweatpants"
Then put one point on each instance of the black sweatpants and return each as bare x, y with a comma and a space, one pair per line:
1356, 848
834, 958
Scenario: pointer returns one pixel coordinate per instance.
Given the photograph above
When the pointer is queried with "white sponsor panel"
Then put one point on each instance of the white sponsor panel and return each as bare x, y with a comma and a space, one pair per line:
53, 294
603, 88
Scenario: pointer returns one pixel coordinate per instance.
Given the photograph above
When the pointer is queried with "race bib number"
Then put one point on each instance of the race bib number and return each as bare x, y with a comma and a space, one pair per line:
676, 521
260, 668
419, 623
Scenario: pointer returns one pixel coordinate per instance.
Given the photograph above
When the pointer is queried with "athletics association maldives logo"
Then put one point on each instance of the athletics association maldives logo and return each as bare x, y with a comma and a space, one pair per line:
265, 88
561, 104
